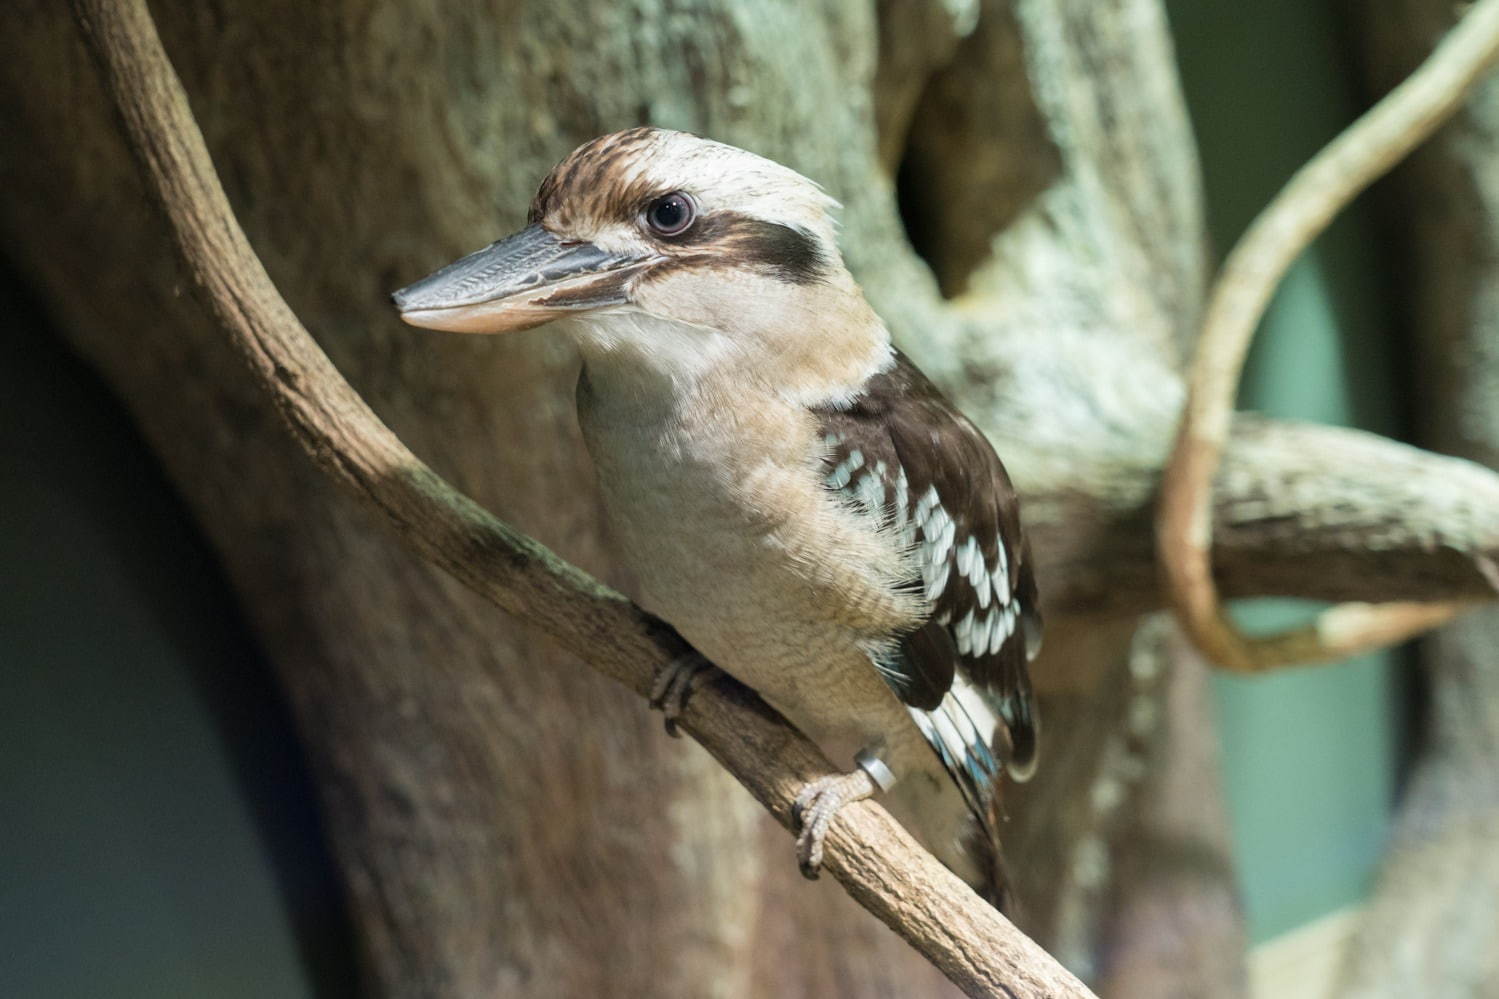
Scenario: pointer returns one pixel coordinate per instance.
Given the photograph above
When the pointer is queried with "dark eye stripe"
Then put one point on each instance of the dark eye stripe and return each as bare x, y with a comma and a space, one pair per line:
790, 254
737, 240
728, 239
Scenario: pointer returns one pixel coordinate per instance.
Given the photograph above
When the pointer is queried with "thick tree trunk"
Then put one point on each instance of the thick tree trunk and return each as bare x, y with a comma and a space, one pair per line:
506, 822
1433, 927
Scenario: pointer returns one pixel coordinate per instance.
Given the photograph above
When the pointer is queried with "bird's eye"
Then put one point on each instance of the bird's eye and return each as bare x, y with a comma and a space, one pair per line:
670, 214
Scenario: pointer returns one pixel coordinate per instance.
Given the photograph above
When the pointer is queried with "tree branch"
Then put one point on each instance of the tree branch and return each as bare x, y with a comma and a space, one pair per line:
868, 852
1301, 510
1302, 210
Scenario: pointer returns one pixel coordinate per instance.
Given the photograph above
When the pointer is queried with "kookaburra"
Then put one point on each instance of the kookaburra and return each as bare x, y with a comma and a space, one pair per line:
790, 492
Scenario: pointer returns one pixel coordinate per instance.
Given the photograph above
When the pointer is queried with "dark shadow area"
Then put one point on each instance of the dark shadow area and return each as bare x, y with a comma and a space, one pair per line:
161, 835
968, 166
1421, 396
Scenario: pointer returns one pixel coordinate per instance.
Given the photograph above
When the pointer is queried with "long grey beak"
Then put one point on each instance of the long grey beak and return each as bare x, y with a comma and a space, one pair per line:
522, 281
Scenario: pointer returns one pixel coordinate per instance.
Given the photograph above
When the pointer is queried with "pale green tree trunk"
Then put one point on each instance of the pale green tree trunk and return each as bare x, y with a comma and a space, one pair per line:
1433, 926
505, 821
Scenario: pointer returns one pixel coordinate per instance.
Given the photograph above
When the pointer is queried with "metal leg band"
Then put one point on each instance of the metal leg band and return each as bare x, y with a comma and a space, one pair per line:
883, 777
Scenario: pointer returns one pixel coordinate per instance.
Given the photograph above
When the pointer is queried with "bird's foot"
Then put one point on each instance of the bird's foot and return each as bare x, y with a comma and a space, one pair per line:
674, 686
818, 802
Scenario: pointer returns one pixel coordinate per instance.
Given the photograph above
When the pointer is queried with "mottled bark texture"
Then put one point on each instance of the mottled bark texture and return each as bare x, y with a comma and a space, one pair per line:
880, 866
507, 822
1433, 926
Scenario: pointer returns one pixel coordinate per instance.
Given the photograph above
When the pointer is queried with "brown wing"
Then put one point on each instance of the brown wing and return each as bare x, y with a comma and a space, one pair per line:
903, 452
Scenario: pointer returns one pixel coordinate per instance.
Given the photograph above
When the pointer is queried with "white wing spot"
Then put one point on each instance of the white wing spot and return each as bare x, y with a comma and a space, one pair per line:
964, 634
949, 532
926, 504
938, 533
870, 491
1004, 627
905, 527
966, 552
971, 565
952, 740
981, 633
974, 706
838, 477
952, 709
937, 583
1001, 574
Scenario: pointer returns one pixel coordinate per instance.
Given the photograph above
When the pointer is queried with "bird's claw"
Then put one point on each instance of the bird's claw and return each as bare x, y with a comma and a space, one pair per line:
674, 686
814, 810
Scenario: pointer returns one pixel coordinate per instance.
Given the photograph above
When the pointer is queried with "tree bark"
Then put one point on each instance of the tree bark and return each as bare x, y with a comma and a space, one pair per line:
1173, 915
882, 868
1433, 925
506, 822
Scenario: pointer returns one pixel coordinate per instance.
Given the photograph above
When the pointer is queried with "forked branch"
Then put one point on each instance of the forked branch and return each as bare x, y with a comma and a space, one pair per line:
867, 851
1302, 210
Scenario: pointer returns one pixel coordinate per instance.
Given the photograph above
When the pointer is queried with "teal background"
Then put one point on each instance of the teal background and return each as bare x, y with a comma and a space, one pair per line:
1310, 755
157, 837
157, 832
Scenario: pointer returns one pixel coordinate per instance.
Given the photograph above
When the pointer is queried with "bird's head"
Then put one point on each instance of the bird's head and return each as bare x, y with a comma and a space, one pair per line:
723, 249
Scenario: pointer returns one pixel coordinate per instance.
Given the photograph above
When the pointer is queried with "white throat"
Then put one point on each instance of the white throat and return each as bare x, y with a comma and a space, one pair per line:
632, 352
646, 360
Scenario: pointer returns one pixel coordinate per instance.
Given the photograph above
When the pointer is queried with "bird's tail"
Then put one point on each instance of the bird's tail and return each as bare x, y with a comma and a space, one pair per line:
992, 882
933, 808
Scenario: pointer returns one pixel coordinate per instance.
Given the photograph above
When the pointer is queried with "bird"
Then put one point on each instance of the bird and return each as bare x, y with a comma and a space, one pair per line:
790, 492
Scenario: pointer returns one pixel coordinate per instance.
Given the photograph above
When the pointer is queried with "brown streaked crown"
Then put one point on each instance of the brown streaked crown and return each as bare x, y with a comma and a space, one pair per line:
611, 180
595, 180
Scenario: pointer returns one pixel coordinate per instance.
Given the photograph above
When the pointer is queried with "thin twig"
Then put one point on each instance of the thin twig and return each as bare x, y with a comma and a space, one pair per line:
867, 851
1302, 210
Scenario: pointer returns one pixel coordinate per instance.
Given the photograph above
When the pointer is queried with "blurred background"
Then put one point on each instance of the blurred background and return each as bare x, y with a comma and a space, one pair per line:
159, 830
